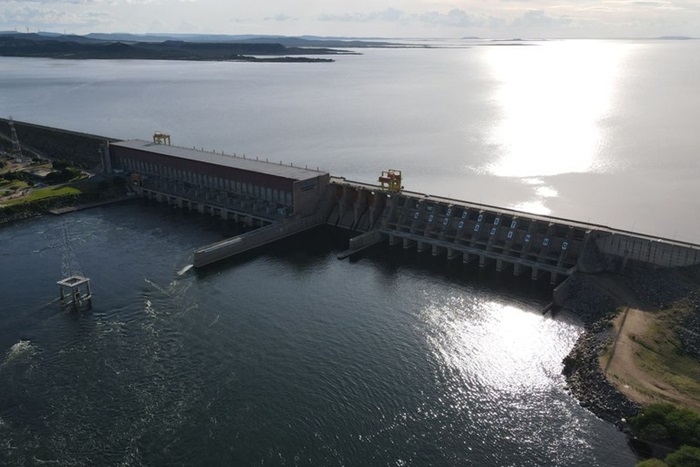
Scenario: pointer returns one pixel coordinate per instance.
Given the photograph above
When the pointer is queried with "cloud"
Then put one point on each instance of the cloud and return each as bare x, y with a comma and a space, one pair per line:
389, 15
657, 5
279, 17
47, 17
538, 19
454, 18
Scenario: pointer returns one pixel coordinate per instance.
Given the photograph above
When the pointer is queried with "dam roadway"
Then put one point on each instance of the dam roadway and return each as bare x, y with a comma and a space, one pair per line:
284, 200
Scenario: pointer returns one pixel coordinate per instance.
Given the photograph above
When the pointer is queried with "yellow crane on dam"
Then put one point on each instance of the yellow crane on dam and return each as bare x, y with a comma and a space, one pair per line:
390, 180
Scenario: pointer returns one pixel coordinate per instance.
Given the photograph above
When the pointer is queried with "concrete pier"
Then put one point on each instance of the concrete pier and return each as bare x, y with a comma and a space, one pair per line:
362, 242
241, 243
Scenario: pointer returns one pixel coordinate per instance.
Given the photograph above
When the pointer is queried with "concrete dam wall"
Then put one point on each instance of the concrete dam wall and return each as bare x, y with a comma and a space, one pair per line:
285, 200
490, 234
289, 200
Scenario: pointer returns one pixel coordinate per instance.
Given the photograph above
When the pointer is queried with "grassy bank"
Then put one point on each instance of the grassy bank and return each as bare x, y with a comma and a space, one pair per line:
647, 361
44, 193
41, 200
660, 353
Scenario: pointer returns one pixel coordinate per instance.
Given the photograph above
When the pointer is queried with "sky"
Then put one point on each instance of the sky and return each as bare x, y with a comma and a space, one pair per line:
361, 18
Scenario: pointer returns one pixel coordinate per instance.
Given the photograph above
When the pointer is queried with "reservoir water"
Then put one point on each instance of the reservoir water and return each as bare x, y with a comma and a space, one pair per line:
289, 356
599, 131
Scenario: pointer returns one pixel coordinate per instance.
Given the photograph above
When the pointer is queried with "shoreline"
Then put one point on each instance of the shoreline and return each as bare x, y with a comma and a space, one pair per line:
600, 301
54, 206
584, 378
79, 207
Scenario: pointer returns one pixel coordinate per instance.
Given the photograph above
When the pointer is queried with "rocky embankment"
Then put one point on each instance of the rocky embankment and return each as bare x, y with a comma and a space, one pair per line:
584, 376
653, 290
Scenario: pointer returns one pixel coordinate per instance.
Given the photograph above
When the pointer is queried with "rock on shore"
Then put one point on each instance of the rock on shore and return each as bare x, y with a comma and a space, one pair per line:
584, 376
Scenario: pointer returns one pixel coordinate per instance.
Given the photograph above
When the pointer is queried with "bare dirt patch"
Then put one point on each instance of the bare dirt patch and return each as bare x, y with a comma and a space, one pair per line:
646, 364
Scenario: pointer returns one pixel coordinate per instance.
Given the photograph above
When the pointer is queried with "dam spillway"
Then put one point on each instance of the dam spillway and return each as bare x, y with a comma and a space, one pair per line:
285, 200
491, 234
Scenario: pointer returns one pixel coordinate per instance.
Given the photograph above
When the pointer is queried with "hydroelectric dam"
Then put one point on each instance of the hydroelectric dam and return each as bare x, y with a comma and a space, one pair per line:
283, 200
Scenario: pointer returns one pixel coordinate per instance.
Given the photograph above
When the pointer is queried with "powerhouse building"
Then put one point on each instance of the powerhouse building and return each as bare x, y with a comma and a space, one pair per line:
218, 181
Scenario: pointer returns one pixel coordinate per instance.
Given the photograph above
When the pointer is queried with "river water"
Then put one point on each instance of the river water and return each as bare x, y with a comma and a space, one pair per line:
288, 356
285, 357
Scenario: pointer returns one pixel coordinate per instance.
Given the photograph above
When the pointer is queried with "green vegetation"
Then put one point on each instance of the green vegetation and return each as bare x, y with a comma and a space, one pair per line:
671, 426
652, 463
686, 456
14, 176
16, 182
62, 176
43, 193
660, 353
12, 185
667, 423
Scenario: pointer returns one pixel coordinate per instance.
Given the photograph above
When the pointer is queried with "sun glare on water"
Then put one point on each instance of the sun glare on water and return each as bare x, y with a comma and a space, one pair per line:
497, 345
553, 98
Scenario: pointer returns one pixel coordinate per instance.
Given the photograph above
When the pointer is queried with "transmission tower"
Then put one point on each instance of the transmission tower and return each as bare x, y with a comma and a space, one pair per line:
16, 148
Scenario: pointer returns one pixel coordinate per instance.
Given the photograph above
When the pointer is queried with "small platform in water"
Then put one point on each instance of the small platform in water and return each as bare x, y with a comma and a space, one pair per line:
75, 292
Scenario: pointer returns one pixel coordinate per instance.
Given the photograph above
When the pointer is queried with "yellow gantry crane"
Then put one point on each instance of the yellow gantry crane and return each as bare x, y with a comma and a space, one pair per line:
391, 180
161, 138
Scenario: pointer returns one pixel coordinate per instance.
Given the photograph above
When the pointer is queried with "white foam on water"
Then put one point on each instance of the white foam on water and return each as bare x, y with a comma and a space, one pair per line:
21, 350
184, 270
149, 309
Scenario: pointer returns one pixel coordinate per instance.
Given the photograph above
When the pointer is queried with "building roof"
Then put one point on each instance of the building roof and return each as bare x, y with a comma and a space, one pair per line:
225, 160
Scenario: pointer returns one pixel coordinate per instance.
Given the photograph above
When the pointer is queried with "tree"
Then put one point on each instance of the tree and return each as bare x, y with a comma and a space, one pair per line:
15, 176
684, 426
667, 423
686, 456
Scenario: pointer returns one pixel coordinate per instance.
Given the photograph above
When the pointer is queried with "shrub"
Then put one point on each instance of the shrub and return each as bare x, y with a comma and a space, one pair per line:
61, 176
665, 422
686, 456
15, 176
654, 432
684, 426
652, 463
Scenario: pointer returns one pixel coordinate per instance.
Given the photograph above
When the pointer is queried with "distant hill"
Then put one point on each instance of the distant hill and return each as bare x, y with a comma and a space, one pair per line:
676, 38
299, 41
84, 47
44, 36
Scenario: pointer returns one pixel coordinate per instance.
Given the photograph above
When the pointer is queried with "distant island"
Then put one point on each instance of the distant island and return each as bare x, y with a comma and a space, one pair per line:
83, 47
